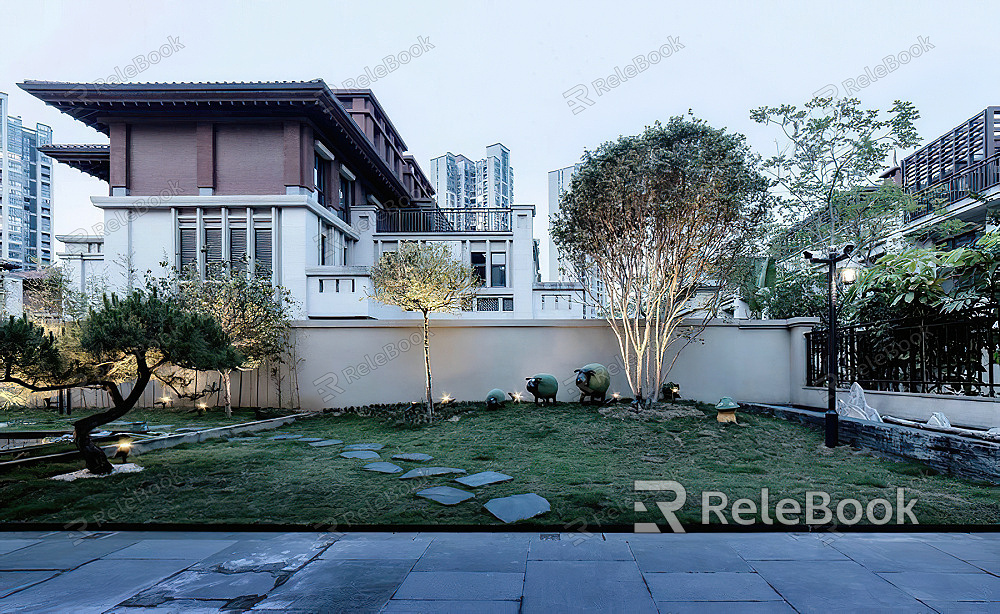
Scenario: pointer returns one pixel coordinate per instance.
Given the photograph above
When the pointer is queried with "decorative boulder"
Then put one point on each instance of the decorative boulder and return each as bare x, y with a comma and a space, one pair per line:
857, 406
939, 419
593, 380
495, 399
544, 387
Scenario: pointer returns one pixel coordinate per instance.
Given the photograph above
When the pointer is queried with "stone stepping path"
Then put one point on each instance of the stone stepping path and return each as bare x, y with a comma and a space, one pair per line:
446, 495
310, 439
362, 454
322, 443
518, 507
363, 446
413, 456
483, 478
424, 472
283, 437
383, 467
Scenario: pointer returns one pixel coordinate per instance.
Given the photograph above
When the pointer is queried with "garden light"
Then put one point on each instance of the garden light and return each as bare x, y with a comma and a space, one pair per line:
446, 398
124, 447
517, 397
726, 410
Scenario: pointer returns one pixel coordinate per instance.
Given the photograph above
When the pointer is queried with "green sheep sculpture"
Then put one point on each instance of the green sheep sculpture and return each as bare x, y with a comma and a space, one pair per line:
495, 399
593, 380
544, 387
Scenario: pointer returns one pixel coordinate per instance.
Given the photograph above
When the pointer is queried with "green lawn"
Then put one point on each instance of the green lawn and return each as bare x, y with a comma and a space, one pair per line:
581, 461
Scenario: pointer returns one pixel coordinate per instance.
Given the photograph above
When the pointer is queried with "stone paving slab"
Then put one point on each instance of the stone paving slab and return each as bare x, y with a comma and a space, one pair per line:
423, 472
445, 495
364, 446
267, 571
416, 457
325, 443
174, 549
362, 454
92, 588
483, 478
517, 507
382, 467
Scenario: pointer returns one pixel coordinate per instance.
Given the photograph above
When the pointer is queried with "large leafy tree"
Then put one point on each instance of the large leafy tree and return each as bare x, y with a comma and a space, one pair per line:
124, 340
423, 277
254, 313
662, 219
826, 172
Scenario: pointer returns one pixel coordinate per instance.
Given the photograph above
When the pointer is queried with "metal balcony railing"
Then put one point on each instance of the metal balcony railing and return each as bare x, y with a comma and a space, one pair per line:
975, 179
442, 220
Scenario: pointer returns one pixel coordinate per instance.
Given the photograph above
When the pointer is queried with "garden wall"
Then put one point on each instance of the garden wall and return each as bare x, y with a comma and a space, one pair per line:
361, 362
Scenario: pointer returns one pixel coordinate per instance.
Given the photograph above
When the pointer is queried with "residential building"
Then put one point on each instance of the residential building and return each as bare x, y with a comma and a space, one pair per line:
25, 191
553, 266
292, 180
470, 192
954, 177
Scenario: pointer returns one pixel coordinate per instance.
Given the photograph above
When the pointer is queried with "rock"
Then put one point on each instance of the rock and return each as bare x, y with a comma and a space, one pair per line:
483, 478
518, 507
382, 467
994, 431
322, 443
857, 406
283, 437
424, 472
413, 456
453, 419
362, 454
938, 419
446, 495
364, 446
85, 473
310, 439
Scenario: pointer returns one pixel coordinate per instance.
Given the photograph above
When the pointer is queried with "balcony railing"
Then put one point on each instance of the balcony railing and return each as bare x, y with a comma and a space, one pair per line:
442, 220
975, 179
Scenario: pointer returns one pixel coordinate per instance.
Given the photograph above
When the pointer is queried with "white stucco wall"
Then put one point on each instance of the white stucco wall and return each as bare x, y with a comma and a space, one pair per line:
357, 363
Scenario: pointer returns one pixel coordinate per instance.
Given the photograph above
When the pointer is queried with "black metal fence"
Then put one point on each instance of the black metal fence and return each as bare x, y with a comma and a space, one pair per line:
954, 354
443, 220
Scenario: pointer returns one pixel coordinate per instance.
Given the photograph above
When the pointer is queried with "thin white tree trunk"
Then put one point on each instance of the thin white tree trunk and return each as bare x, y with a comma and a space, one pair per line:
427, 366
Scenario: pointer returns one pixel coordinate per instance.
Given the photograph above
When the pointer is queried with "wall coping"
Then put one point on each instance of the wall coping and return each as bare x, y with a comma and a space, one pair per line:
914, 395
532, 322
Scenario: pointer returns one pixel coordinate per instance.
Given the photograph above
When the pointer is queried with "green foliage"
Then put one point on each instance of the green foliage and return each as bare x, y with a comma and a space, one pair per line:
658, 218
422, 277
825, 172
26, 350
795, 293
144, 324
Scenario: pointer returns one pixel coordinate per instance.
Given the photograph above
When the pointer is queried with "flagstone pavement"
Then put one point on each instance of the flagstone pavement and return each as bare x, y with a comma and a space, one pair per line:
155, 571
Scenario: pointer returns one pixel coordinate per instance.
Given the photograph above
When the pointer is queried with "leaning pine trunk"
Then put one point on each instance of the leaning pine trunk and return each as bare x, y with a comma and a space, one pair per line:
95, 458
227, 397
427, 367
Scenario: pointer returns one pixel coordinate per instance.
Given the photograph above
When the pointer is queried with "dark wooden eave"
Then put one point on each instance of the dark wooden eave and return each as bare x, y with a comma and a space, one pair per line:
95, 160
95, 104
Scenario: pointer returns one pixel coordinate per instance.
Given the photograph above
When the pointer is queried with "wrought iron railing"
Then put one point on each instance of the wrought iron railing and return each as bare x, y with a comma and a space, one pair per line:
975, 179
954, 354
443, 220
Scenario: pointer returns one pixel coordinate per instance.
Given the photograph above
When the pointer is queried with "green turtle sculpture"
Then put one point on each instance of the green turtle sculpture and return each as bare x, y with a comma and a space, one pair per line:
544, 386
593, 380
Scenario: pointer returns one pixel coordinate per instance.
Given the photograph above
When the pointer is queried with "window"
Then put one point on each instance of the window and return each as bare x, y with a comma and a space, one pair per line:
346, 194
213, 245
188, 247
498, 272
488, 304
238, 249
321, 174
508, 304
479, 266
262, 252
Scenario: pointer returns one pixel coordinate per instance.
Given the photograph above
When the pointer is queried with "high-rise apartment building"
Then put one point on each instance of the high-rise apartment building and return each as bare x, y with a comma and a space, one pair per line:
552, 267
464, 184
25, 191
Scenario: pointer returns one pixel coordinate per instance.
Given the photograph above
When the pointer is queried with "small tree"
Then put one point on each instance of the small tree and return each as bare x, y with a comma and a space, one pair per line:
423, 277
661, 219
826, 172
125, 340
255, 314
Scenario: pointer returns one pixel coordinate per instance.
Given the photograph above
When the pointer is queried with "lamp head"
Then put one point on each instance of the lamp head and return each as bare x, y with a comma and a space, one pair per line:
849, 249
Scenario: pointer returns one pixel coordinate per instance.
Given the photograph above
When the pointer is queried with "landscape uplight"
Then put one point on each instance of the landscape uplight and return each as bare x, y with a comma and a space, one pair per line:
124, 447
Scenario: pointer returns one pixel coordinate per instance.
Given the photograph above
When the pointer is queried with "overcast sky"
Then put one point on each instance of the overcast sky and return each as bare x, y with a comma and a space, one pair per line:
498, 70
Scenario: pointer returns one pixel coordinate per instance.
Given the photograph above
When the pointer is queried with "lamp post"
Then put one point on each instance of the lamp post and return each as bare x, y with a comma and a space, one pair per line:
833, 257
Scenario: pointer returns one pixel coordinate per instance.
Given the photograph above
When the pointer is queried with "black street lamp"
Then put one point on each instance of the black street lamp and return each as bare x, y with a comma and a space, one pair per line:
833, 257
